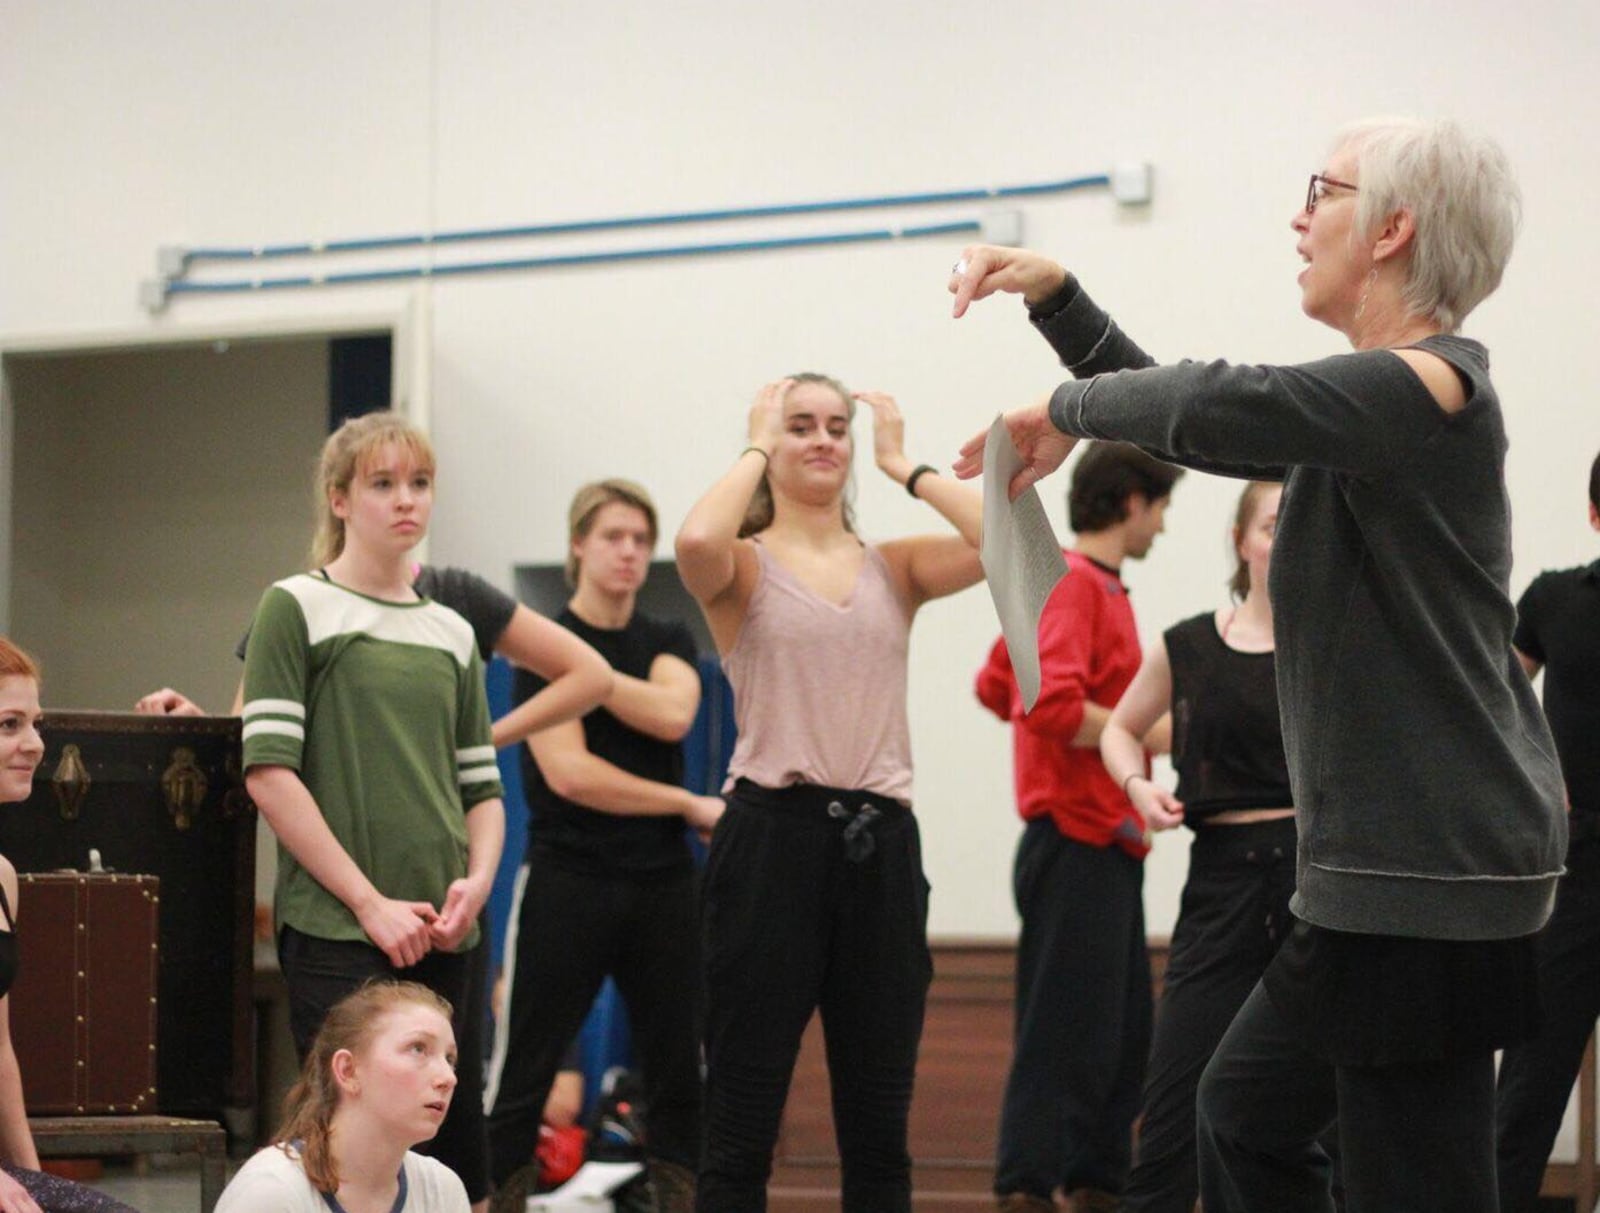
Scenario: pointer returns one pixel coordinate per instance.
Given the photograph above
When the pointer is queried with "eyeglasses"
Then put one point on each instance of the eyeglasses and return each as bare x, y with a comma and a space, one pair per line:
1318, 189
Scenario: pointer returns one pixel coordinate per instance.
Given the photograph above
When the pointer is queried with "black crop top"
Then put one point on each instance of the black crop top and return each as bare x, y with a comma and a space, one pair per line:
1227, 742
8, 947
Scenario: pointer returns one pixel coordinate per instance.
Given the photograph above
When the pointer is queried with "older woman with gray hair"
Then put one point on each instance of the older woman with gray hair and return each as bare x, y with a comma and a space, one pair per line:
1431, 829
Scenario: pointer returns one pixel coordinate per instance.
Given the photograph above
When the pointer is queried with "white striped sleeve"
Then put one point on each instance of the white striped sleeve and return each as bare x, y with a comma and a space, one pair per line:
476, 765
275, 679
274, 707
283, 728
266, 718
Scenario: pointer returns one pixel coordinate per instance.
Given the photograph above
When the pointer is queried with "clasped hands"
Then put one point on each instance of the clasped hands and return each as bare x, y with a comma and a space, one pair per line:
406, 931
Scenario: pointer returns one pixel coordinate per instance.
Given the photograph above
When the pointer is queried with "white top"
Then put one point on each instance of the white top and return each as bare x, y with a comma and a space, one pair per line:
274, 1182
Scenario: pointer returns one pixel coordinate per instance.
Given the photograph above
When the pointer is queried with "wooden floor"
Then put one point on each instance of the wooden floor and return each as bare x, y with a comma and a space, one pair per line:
966, 1047
961, 1072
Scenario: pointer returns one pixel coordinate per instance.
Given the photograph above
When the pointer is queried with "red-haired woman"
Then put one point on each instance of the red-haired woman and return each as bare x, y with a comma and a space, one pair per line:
23, 1188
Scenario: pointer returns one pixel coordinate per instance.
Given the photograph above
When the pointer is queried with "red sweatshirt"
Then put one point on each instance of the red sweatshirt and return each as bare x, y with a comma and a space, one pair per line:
1088, 653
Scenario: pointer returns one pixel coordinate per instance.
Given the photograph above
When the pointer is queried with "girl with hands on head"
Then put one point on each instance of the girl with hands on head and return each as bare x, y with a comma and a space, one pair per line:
367, 749
814, 894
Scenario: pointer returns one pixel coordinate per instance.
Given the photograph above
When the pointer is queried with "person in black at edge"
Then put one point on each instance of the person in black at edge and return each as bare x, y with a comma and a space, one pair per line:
1558, 630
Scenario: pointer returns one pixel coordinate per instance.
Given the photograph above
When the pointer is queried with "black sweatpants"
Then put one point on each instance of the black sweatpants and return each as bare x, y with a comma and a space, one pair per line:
1234, 913
1536, 1076
1412, 1138
570, 929
319, 972
814, 898
1083, 1017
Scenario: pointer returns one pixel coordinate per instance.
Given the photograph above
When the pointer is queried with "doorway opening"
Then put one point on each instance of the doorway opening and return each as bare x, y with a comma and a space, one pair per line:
154, 492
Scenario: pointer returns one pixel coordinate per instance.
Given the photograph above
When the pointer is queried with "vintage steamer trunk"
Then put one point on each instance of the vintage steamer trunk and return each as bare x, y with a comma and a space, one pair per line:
163, 796
84, 1013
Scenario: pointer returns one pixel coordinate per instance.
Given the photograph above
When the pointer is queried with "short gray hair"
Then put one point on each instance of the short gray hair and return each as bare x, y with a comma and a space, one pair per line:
1462, 197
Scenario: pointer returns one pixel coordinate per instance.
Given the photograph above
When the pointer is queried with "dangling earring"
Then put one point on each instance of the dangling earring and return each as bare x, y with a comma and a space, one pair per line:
1366, 291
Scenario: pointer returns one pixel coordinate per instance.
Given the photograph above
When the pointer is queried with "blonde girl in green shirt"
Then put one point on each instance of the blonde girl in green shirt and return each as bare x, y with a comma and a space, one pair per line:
367, 749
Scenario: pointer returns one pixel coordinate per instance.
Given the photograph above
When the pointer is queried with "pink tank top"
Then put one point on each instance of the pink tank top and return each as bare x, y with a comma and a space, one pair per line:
819, 690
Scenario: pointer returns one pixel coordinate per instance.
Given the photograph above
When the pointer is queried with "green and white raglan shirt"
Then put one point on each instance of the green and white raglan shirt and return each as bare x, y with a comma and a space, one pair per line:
380, 708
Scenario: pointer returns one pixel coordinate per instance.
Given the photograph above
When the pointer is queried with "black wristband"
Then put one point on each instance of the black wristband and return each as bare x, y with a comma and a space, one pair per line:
917, 473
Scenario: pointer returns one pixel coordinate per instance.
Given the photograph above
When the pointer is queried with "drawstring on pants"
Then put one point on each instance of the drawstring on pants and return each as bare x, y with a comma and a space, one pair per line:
859, 844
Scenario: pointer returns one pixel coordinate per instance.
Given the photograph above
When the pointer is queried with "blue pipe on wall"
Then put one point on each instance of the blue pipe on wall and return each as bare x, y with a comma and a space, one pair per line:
368, 244
183, 287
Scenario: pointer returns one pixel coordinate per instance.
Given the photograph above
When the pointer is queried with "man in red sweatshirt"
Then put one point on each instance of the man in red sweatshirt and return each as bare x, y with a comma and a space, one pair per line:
1083, 1002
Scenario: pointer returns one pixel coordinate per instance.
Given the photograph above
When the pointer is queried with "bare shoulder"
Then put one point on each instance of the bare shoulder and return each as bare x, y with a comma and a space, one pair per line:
1442, 380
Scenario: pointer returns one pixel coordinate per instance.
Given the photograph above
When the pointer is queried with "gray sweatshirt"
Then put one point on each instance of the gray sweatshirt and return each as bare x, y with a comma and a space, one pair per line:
1428, 793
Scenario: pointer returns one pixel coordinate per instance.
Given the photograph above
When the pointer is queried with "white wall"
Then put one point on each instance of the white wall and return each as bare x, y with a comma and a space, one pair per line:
174, 120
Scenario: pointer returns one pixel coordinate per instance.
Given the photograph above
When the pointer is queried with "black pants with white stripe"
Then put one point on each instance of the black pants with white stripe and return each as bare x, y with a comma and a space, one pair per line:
571, 930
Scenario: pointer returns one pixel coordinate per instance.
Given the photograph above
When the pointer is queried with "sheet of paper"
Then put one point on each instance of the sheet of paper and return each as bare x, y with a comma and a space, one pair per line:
1021, 558
589, 1190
